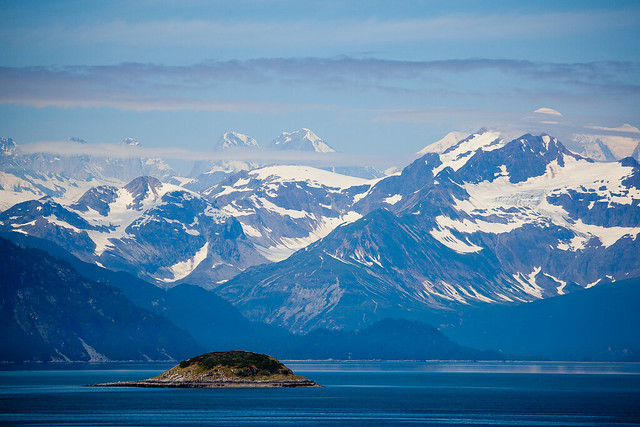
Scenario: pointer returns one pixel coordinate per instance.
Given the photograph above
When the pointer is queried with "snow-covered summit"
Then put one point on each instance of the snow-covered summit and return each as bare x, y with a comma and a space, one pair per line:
236, 140
607, 147
302, 140
457, 155
449, 140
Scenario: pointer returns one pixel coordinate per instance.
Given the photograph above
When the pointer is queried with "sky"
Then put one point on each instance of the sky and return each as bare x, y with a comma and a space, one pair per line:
374, 78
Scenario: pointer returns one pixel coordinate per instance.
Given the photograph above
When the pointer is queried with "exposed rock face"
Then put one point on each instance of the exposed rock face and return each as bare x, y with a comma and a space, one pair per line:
230, 369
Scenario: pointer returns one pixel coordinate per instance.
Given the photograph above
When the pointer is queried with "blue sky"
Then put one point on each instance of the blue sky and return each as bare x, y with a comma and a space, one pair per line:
376, 77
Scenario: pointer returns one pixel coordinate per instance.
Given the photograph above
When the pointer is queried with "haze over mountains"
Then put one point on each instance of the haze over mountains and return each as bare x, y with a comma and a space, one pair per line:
477, 221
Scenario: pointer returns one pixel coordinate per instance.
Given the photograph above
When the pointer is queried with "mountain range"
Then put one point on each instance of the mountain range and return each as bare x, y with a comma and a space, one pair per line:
488, 221
158, 231
31, 176
478, 223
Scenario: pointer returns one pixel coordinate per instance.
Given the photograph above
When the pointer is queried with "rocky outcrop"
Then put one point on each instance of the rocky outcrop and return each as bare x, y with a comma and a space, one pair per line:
230, 369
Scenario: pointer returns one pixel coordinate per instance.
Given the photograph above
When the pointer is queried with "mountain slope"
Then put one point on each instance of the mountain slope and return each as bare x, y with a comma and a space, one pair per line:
49, 312
215, 324
388, 339
593, 324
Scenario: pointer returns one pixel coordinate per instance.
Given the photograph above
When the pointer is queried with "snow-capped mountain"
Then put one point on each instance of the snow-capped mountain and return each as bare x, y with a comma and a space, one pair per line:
285, 208
236, 140
486, 221
209, 173
301, 140
158, 231
31, 176
610, 147
305, 140
479, 219
7, 148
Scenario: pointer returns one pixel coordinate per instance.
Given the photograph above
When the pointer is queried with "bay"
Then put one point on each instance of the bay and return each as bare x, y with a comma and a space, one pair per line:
354, 393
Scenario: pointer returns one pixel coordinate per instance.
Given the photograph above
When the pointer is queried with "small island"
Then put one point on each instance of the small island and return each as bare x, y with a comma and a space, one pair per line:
228, 369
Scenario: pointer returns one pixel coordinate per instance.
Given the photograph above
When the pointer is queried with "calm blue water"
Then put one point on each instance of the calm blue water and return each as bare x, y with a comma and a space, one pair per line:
355, 393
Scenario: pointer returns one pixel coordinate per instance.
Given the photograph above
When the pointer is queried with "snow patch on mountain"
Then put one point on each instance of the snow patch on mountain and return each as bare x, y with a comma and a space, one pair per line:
182, 269
270, 206
446, 237
561, 284
392, 200
528, 283
286, 246
512, 205
457, 155
439, 147
123, 211
313, 176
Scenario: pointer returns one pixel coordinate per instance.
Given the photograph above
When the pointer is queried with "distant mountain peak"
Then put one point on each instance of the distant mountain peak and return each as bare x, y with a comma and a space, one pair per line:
236, 140
7, 146
140, 189
449, 140
76, 139
130, 142
607, 148
301, 140
544, 143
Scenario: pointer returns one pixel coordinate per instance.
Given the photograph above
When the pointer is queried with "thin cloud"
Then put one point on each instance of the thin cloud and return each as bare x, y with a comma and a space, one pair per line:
205, 86
624, 128
549, 111
323, 32
72, 148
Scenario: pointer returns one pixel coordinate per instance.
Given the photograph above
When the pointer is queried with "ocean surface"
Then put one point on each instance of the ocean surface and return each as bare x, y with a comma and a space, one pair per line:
354, 393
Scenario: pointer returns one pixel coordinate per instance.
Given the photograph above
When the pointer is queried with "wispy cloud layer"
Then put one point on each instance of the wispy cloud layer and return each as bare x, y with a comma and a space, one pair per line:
71, 148
230, 85
360, 74
309, 32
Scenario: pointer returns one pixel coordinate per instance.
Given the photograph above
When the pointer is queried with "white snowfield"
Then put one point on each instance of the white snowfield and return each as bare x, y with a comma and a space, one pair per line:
276, 245
449, 140
529, 199
14, 190
121, 214
458, 155
310, 175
